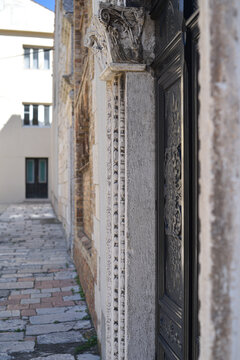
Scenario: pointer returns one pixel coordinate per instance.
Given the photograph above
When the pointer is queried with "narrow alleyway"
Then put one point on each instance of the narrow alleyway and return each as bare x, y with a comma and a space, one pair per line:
43, 314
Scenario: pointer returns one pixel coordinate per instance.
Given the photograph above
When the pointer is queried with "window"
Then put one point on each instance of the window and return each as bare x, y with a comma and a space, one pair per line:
46, 115
37, 58
26, 115
42, 171
46, 59
36, 115
27, 58
30, 171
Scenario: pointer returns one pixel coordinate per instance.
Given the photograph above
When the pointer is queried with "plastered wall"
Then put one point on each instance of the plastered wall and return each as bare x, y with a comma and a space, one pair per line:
22, 23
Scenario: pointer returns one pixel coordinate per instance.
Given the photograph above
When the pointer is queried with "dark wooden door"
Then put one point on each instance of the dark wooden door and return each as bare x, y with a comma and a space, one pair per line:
176, 67
36, 178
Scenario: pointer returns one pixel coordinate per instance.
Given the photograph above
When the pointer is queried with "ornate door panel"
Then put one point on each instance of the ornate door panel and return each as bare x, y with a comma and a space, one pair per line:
176, 71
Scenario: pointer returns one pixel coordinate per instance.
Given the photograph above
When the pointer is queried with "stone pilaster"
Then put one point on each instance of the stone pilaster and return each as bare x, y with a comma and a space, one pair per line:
115, 38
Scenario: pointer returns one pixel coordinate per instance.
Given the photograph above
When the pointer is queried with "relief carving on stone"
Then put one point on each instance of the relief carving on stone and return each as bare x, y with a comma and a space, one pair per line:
115, 36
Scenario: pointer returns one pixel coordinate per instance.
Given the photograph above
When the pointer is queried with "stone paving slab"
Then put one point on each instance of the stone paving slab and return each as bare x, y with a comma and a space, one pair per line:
17, 346
52, 328
61, 338
56, 357
5, 356
42, 314
15, 336
12, 325
88, 357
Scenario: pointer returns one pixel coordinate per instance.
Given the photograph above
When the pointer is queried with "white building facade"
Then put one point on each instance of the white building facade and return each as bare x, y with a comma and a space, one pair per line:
26, 35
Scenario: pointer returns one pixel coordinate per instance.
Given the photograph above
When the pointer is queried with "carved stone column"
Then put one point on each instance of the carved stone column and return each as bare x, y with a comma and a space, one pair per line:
115, 37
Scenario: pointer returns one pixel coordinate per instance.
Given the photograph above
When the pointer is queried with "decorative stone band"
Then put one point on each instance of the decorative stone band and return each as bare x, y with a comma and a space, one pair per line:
116, 219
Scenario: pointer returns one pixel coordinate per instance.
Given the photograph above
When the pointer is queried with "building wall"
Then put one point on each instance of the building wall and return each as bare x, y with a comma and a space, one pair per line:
62, 151
84, 251
16, 144
22, 23
19, 85
219, 126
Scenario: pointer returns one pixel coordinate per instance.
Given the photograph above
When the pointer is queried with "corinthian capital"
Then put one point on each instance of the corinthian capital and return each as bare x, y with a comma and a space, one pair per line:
115, 36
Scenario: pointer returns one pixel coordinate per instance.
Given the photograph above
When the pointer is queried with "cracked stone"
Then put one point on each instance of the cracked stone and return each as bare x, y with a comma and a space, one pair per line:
61, 338
51, 328
51, 318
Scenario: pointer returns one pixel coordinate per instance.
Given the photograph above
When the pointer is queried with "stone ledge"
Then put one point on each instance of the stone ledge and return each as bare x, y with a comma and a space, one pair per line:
114, 69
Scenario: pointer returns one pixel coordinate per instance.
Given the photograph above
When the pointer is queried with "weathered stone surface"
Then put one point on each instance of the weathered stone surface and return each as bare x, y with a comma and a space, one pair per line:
5, 357
51, 290
11, 336
51, 328
59, 311
16, 285
61, 338
8, 313
56, 357
11, 325
30, 291
17, 346
65, 275
4, 293
51, 318
219, 159
39, 296
30, 301
72, 297
88, 357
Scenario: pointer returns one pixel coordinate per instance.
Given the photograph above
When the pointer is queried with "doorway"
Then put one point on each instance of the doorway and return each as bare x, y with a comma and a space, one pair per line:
176, 69
36, 178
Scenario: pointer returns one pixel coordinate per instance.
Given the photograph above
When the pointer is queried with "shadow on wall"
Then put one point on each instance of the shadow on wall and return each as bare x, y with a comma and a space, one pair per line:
14, 122
10, 134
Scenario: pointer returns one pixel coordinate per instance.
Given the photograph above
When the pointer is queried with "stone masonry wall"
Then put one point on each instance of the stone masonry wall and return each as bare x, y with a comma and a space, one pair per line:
84, 251
63, 87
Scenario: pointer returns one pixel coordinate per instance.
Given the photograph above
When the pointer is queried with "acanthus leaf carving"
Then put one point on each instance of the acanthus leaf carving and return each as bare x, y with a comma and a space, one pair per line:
115, 36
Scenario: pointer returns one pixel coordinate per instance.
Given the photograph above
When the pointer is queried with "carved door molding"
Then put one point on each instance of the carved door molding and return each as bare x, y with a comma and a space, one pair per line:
176, 67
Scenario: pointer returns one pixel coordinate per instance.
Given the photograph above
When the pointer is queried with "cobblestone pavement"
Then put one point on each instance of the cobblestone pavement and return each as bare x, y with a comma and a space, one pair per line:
43, 314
